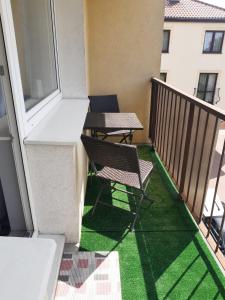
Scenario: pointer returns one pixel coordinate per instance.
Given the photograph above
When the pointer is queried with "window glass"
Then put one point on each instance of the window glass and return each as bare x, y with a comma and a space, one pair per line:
207, 86
209, 97
35, 43
202, 82
218, 41
211, 82
200, 95
208, 41
2, 102
166, 41
213, 42
163, 76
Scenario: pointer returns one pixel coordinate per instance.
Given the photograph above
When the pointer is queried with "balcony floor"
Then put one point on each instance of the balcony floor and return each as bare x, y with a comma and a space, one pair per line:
166, 257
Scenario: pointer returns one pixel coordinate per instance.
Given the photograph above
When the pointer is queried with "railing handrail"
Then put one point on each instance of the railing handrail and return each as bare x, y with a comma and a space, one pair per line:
210, 108
185, 132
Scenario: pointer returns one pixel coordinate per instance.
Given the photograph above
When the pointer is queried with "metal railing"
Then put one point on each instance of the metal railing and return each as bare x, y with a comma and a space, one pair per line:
184, 131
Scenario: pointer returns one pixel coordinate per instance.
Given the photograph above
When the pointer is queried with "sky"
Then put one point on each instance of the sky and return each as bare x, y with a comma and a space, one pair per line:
216, 2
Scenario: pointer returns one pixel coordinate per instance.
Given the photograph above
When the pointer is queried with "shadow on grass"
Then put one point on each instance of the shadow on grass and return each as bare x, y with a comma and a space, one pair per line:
112, 222
166, 250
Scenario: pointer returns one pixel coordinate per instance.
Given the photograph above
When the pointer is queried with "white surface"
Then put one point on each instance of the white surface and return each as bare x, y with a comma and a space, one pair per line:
220, 3
52, 282
71, 47
4, 129
25, 266
218, 207
58, 175
62, 126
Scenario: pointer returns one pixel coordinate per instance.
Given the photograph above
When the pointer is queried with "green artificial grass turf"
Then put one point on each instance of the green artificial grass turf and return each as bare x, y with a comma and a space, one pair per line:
165, 258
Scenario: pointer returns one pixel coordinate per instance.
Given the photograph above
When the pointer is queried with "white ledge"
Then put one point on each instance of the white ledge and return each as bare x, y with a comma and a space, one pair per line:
62, 126
25, 266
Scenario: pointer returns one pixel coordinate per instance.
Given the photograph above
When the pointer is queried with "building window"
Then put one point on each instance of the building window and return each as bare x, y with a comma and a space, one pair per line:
207, 86
163, 76
213, 42
166, 41
33, 23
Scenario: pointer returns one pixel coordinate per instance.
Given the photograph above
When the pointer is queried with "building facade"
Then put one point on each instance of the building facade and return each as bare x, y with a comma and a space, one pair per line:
193, 55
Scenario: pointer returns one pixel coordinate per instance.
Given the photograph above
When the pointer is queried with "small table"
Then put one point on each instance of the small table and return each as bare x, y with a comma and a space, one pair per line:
112, 121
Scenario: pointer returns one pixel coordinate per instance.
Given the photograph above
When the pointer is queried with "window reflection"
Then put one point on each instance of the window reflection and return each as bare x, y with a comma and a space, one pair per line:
35, 43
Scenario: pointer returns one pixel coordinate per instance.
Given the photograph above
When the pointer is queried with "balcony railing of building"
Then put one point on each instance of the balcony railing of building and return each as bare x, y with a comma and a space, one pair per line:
184, 132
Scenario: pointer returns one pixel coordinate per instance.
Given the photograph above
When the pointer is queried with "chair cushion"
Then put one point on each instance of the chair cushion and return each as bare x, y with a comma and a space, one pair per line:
127, 178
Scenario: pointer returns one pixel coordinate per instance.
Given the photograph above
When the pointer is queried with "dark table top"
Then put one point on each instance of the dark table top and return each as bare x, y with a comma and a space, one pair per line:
112, 121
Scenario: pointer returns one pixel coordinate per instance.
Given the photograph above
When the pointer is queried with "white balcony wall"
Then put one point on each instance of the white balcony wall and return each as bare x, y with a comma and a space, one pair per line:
56, 158
71, 48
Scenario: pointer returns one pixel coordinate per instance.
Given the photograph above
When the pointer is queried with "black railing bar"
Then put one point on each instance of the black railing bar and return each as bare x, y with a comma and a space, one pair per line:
200, 162
216, 188
178, 121
193, 154
164, 123
216, 111
209, 165
168, 131
220, 232
157, 115
173, 130
154, 109
187, 146
166, 126
152, 114
182, 139
161, 119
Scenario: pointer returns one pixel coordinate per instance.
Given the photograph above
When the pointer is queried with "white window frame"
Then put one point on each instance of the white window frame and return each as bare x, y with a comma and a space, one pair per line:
27, 120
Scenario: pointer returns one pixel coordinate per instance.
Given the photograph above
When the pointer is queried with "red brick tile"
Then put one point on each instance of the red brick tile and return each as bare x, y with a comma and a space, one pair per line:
102, 263
66, 265
82, 263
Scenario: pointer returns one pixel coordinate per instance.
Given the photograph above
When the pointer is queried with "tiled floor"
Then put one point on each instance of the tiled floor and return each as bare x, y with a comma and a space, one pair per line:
89, 275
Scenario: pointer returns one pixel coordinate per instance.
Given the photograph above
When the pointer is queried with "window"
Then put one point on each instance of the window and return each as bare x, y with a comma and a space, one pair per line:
163, 76
213, 42
207, 86
166, 41
2, 101
33, 25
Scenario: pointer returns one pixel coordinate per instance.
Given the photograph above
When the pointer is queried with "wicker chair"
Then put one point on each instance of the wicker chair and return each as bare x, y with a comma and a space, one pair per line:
119, 164
104, 104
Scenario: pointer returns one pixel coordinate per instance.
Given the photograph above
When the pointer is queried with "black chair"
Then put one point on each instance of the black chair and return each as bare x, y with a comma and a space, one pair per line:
104, 104
119, 164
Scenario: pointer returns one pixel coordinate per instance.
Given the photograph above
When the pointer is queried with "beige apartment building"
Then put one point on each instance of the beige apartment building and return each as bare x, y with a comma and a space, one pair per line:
193, 57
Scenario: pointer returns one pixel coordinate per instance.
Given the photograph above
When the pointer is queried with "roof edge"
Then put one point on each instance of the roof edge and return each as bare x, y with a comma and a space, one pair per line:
210, 4
194, 20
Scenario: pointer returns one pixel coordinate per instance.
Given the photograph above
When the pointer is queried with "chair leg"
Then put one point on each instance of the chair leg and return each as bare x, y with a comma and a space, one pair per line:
105, 137
137, 211
127, 137
97, 199
124, 139
130, 138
